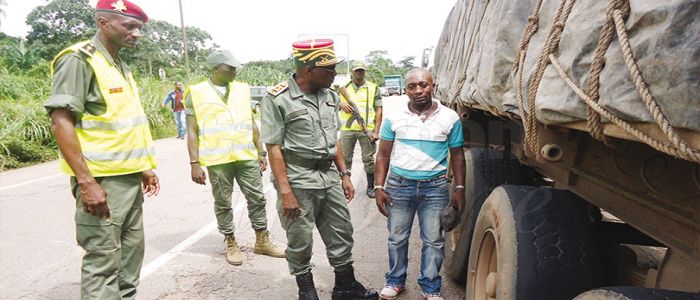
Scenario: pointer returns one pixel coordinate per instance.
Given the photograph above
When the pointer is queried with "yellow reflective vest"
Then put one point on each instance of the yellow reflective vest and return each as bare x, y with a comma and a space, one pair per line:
118, 141
363, 97
225, 128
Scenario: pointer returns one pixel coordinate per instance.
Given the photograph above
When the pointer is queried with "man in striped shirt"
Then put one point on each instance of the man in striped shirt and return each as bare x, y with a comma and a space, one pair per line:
421, 134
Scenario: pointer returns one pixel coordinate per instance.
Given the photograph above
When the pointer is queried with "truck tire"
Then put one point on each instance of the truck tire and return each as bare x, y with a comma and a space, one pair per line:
486, 169
532, 243
635, 293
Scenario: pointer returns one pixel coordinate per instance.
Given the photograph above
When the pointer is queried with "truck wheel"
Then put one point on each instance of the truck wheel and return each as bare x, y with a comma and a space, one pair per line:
486, 169
635, 293
532, 243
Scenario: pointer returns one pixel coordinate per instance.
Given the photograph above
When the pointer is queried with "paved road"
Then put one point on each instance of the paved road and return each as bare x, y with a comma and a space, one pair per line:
39, 258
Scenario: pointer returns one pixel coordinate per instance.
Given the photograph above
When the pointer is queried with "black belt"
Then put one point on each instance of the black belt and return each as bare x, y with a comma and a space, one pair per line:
315, 164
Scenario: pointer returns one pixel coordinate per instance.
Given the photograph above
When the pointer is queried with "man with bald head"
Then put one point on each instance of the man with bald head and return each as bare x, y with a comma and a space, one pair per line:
421, 134
106, 147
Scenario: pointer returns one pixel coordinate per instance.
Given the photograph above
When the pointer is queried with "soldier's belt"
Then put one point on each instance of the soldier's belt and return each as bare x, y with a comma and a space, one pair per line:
314, 164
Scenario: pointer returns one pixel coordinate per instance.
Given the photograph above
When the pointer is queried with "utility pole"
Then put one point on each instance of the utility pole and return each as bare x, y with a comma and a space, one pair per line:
185, 47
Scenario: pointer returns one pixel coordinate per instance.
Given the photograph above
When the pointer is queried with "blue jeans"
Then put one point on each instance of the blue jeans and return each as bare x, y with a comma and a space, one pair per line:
179, 117
428, 198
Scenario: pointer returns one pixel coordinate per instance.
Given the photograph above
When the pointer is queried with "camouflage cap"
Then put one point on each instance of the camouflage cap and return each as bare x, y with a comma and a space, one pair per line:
222, 56
357, 65
314, 53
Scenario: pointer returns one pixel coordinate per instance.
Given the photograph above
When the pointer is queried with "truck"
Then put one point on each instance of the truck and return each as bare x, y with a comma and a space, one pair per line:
257, 93
394, 84
581, 122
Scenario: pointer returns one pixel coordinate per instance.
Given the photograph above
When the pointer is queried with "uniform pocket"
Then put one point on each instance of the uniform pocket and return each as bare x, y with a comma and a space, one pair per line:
300, 123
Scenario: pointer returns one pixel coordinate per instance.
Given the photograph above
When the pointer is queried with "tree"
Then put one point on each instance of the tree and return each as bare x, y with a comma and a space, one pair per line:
58, 25
406, 63
17, 57
379, 65
266, 73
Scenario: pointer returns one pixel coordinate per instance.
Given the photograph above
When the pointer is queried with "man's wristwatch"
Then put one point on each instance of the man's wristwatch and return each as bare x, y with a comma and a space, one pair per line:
347, 172
262, 153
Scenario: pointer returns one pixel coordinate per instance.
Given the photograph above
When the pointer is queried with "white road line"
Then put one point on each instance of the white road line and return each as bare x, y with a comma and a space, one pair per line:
30, 182
164, 258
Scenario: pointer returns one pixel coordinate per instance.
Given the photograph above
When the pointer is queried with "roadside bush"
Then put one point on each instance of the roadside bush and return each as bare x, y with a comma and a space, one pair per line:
25, 133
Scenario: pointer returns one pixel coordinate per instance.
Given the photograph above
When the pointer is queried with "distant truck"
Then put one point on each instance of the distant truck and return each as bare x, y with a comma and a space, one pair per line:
256, 95
394, 84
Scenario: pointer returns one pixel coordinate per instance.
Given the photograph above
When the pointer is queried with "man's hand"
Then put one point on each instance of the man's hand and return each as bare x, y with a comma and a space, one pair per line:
382, 199
346, 107
198, 175
348, 188
457, 199
373, 136
94, 199
263, 163
290, 205
151, 185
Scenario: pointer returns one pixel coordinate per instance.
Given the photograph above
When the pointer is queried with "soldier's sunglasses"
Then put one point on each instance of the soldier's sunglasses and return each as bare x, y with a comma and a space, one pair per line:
329, 69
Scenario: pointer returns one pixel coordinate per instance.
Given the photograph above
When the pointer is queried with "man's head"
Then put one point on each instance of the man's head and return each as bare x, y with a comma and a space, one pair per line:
358, 72
223, 65
119, 22
178, 86
315, 61
419, 86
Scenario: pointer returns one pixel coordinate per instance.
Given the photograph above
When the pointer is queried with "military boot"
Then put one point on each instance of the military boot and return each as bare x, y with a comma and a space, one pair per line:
347, 287
264, 246
370, 185
307, 290
233, 253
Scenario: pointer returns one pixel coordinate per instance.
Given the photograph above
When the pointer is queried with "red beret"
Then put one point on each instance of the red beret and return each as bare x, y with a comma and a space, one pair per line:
122, 7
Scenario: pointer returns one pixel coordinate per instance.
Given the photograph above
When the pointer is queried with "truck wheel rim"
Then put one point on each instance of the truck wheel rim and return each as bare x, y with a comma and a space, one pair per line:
486, 272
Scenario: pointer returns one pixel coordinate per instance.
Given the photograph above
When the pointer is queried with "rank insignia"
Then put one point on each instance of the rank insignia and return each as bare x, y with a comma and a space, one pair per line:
119, 6
88, 49
278, 89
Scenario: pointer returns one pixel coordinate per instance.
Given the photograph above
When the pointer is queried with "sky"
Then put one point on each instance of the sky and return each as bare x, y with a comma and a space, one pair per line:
265, 29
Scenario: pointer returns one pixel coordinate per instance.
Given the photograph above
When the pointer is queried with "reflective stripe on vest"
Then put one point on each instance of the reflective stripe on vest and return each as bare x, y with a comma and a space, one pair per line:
118, 141
114, 125
364, 99
225, 129
119, 155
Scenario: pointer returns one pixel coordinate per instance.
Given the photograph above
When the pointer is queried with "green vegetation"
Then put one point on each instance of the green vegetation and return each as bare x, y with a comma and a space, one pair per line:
25, 82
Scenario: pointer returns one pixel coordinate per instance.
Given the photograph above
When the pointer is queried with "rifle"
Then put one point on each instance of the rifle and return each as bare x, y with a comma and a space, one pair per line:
356, 116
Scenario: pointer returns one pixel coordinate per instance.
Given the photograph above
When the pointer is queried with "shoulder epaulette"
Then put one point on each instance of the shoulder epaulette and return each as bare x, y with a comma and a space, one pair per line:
278, 89
88, 49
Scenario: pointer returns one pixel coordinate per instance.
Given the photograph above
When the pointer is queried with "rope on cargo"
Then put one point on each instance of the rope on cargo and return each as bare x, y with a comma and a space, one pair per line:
551, 46
607, 35
616, 15
518, 67
688, 155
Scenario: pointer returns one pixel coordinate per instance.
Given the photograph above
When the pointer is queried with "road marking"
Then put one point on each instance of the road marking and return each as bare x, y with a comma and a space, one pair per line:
166, 257
29, 182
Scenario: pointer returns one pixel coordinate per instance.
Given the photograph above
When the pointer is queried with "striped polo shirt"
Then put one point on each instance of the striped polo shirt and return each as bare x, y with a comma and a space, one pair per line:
421, 148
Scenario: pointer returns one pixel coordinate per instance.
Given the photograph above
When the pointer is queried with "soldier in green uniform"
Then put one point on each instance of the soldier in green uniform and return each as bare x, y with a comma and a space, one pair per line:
367, 99
299, 128
223, 136
106, 147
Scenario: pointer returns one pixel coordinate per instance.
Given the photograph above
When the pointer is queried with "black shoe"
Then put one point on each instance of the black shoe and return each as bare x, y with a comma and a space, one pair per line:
347, 288
370, 185
307, 290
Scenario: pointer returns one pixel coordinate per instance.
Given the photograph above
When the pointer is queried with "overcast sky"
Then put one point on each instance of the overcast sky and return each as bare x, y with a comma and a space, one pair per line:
265, 29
